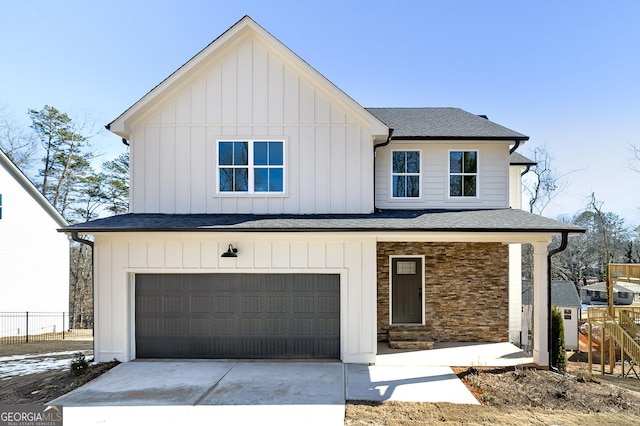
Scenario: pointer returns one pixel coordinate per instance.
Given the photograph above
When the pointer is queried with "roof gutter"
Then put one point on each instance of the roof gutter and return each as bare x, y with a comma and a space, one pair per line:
563, 246
375, 148
515, 146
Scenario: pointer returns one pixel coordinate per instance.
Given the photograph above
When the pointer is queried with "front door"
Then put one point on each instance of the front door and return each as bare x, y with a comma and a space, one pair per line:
406, 290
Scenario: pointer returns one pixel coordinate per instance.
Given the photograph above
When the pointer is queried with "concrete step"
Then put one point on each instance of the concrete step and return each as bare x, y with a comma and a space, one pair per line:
409, 335
403, 344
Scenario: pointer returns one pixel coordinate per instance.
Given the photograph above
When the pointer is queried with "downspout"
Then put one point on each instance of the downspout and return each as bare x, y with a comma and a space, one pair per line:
526, 170
375, 147
75, 237
515, 146
563, 246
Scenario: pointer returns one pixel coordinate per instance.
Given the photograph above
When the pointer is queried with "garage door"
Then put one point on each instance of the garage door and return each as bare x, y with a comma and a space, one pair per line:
237, 316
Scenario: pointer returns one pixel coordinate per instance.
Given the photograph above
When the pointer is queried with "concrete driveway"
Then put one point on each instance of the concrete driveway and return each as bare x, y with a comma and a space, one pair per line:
250, 392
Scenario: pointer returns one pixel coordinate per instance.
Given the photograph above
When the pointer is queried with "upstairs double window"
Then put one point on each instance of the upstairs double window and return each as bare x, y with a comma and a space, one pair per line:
251, 166
405, 174
463, 174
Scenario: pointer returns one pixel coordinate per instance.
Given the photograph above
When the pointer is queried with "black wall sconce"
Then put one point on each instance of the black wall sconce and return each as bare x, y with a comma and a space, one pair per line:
231, 252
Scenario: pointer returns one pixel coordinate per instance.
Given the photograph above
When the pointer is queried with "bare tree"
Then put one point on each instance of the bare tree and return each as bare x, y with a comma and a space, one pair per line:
17, 144
543, 183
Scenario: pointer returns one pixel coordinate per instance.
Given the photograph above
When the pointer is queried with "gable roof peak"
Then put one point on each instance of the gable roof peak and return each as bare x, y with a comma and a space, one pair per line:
120, 125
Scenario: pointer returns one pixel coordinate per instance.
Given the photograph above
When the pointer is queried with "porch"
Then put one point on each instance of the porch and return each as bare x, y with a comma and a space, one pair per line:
451, 354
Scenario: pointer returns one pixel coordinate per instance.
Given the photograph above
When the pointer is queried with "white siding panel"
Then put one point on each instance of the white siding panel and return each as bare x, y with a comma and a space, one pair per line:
317, 255
275, 90
137, 171
307, 103
299, 254
306, 170
323, 170
290, 97
191, 254
280, 254
155, 255
262, 254
260, 85
213, 101
210, 254
198, 171
167, 181
183, 106
245, 84
137, 254
173, 253
183, 177
228, 92
198, 101
338, 174
151, 157
335, 254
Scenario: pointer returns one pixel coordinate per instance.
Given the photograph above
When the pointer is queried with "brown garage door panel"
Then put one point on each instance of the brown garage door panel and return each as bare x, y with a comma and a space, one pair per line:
237, 316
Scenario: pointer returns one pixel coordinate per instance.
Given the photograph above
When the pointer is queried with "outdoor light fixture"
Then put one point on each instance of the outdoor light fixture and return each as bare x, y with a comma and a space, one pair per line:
231, 252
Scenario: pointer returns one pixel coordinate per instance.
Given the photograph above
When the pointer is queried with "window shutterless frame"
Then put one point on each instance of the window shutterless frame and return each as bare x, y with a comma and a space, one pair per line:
463, 174
250, 166
406, 174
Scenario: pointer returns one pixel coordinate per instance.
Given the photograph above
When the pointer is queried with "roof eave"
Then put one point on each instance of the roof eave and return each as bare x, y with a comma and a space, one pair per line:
463, 138
321, 229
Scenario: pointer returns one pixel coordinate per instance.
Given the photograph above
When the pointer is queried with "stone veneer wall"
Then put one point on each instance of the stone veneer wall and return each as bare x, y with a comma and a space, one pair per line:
466, 289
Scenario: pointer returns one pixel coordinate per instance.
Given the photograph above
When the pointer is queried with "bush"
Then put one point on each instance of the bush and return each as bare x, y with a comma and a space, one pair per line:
558, 350
79, 364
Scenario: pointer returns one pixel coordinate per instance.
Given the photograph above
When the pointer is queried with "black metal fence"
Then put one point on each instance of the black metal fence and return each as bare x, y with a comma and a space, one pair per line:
25, 327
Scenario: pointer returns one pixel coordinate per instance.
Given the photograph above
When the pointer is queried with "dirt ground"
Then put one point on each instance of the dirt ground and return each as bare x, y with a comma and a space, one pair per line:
42, 387
515, 396
511, 396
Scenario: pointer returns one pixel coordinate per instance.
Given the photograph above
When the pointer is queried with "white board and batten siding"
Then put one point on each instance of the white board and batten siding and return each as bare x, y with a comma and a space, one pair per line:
251, 90
119, 257
34, 257
493, 175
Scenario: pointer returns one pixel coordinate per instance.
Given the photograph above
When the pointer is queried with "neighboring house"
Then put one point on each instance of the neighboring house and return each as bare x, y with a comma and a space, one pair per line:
633, 287
564, 297
596, 294
34, 256
272, 216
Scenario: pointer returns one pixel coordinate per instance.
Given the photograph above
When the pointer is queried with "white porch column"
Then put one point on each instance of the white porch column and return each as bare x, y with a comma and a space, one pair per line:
540, 295
515, 293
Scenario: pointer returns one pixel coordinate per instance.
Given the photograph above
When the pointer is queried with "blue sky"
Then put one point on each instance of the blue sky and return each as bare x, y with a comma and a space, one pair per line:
565, 73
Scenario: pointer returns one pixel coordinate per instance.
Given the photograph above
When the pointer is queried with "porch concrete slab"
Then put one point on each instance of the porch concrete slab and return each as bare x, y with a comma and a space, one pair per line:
292, 383
404, 383
455, 355
149, 383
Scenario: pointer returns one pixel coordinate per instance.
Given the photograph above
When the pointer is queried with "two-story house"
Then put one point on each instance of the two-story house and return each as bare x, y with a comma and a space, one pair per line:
272, 216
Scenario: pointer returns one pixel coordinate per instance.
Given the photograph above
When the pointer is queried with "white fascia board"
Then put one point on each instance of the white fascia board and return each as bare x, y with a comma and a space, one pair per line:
412, 236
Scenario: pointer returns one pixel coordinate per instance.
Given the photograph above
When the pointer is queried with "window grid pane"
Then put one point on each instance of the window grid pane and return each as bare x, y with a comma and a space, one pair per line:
463, 173
240, 160
405, 169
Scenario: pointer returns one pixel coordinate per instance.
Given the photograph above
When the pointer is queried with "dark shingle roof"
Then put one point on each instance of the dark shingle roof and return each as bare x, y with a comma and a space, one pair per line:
441, 123
563, 293
499, 220
520, 160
